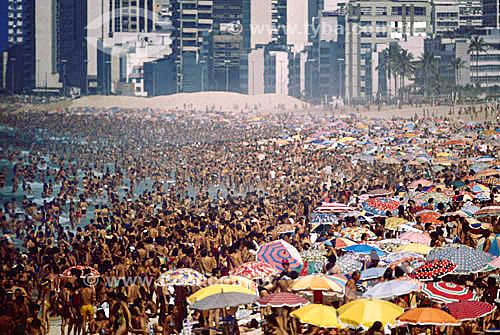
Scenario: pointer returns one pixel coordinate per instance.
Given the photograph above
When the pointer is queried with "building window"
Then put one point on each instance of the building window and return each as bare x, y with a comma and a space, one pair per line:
420, 11
366, 45
396, 11
366, 11
381, 23
365, 23
366, 34
381, 35
381, 11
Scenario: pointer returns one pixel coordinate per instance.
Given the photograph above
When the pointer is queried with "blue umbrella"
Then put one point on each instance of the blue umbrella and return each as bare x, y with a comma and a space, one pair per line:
364, 249
372, 273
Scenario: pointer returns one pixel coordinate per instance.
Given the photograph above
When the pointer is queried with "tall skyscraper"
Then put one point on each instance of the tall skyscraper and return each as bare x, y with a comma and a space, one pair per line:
257, 24
491, 14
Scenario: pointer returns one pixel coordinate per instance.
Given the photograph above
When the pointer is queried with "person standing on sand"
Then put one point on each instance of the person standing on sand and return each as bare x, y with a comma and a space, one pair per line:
87, 294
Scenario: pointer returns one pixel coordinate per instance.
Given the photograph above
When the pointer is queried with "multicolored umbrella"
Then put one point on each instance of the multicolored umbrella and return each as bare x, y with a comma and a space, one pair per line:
414, 237
448, 292
282, 299
420, 182
494, 246
488, 211
364, 249
468, 260
379, 192
380, 206
363, 313
80, 270
433, 269
427, 316
349, 263
339, 278
340, 242
480, 188
181, 277
391, 289
276, 252
221, 296
429, 216
316, 282
356, 233
318, 315
470, 310
255, 270
387, 245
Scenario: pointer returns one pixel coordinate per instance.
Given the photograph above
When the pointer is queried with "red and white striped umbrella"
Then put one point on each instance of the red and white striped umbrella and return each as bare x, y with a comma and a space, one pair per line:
470, 310
448, 292
488, 211
333, 207
81, 270
282, 299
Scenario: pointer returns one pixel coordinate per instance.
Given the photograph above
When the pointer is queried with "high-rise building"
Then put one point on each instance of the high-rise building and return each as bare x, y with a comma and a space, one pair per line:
256, 22
279, 21
131, 16
456, 15
369, 23
191, 20
491, 14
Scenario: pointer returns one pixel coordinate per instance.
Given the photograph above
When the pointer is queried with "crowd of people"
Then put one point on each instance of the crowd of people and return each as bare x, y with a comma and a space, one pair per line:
134, 194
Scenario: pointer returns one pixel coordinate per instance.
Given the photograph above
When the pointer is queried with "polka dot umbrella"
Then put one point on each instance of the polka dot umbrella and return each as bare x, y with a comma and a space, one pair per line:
433, 269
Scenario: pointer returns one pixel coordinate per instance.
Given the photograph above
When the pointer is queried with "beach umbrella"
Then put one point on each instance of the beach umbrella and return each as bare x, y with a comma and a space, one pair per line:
427, 316
492, 181
318, 315
364, 312
349, 263
487, 173
428, 216
276, 252
468, 260
488, 211
379, 206
80, 270
372, 273
339, 278
421, 182
355, 233
402, 255
470, 310
391, 289
480, 188
379, 192
221, 296
458, 184
364, 249
433, 269
393, 222
316, 282
495, 263
333, 207
448, 292
387, 245
255, 270
340, 242
438, 197
238, 280
495, 244
414, 237
181, 277
282, 299
323, 218
469, 208
415, 248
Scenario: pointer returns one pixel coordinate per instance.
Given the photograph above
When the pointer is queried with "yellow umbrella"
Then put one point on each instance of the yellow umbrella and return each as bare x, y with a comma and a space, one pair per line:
346, 139
318, 315
394, 222
364, 312
415, 247
218, 289
316, 282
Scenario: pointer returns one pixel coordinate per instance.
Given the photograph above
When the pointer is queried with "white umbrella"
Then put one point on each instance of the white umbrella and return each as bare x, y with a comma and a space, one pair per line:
391, 289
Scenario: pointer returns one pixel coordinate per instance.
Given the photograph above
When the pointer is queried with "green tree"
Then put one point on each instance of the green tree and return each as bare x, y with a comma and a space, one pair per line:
477, 45
456, 65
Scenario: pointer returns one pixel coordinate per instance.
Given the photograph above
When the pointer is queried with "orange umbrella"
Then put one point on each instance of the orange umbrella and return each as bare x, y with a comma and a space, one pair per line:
427, 316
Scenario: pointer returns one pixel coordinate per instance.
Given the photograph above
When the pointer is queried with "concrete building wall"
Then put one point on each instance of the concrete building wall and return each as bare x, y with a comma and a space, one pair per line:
260, 22
46, 45
281, 71
297, 24
256, 68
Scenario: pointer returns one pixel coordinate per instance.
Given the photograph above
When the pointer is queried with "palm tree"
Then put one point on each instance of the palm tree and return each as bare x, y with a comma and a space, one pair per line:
456, 65
426, 61
394, 55
477, 45
405, 67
